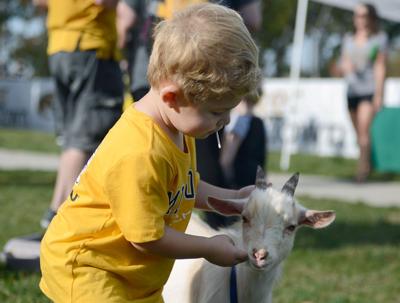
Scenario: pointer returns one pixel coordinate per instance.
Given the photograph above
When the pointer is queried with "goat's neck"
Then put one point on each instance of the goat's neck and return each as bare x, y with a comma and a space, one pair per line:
256, 286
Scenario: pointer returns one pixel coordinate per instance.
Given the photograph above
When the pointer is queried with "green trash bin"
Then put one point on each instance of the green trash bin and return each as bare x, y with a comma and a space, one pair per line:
385, 140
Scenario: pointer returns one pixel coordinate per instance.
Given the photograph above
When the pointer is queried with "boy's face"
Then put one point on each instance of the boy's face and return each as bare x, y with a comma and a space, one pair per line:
202, 120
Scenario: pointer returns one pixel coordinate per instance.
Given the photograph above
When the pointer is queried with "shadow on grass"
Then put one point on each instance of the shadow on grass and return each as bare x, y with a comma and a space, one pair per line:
7, 274
384, 177
349, 234
373, 177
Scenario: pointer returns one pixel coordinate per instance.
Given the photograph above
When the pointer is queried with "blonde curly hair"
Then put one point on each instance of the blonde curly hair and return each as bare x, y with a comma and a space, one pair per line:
207, 51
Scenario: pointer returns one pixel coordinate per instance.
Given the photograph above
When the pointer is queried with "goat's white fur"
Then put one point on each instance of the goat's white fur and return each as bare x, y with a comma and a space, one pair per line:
269, 212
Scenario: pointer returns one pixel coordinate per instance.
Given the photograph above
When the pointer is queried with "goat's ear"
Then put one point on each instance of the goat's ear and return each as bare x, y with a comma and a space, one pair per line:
291, 184
227, 207
317, 219
261, 181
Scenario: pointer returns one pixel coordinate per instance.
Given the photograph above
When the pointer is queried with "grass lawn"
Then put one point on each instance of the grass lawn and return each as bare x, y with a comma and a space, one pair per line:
356, 260
23, 199
306, 164
28, 140
325, 166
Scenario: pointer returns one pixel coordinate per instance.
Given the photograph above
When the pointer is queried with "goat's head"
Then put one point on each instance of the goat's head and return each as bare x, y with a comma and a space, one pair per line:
270, 220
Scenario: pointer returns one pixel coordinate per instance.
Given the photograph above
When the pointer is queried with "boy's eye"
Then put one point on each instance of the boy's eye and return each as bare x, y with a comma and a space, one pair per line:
216, 113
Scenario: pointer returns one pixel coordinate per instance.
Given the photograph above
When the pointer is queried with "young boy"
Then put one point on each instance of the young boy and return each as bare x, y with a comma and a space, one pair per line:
117, 235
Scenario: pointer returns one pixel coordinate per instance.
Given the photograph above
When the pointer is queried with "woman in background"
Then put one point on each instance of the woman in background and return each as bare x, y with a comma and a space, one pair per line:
364, 67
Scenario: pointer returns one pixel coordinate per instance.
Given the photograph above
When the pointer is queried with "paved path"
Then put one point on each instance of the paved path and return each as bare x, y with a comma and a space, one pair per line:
17, 159
383, 194
373, 193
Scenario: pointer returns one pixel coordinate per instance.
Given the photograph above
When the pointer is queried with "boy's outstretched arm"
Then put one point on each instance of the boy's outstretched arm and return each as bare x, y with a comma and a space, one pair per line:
219, 250
206, 190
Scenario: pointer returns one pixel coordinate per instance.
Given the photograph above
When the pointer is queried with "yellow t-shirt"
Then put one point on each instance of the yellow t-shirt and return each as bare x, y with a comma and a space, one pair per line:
70, 21
137, 182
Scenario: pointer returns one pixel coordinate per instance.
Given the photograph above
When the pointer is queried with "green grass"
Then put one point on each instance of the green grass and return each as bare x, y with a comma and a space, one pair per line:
306, 164
28, 140
355, 260
325, 166
24, 197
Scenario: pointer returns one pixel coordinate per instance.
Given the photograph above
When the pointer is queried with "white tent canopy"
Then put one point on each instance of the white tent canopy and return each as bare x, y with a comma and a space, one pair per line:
387, 9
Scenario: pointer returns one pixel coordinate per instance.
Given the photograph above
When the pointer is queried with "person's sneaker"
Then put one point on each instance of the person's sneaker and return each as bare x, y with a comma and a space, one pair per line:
47, 217
22, 253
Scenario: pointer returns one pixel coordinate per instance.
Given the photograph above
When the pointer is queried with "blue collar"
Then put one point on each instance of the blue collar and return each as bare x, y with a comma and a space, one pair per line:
233, 286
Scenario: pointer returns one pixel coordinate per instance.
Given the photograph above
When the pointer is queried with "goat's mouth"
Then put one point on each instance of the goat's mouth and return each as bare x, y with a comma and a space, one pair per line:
259, 264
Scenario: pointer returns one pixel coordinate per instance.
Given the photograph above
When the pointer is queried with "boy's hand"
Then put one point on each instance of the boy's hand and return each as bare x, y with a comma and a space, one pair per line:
223, 252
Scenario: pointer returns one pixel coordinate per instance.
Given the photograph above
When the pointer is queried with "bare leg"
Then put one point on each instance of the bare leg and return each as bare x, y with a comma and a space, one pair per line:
365, 114
71, 163
353, 116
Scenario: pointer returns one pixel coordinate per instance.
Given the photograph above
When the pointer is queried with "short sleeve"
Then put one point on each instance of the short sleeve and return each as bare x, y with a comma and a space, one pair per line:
137, 188
242, 126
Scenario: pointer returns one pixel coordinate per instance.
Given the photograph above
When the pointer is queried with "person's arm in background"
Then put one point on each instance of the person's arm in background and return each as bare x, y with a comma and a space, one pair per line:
379, 75
234, 134
252, 15
126, 18
346, 66
110, 4
230, 147
40, 3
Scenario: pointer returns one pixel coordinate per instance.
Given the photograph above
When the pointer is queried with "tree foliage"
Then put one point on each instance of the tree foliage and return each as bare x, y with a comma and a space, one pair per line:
29, 53
325, 27
277, 29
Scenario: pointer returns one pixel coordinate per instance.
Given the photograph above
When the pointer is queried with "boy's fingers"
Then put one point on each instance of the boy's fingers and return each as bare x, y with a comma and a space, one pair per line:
242, 256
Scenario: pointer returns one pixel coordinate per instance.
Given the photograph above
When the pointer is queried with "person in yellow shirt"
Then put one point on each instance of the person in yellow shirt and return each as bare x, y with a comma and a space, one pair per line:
83, 61
116, 236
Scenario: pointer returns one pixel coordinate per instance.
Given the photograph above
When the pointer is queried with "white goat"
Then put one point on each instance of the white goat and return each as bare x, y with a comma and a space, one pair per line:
270, 219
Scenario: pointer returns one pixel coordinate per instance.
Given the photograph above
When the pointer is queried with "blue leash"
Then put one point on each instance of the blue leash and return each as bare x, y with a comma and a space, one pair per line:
233, 286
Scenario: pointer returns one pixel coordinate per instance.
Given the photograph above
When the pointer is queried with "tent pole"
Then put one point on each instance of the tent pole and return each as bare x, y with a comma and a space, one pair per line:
297, 53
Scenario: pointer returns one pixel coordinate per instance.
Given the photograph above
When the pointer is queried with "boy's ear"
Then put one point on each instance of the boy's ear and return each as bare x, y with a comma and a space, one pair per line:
169, 95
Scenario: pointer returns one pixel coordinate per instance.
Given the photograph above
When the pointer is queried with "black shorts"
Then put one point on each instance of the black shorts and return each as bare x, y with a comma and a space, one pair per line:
354, 101
88, 100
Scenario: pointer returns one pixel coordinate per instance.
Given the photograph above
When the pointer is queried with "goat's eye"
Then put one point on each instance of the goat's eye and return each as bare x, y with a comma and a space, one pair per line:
291, 228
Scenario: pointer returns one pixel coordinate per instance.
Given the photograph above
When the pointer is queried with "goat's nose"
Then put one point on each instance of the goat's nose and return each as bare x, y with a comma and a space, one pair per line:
260, 254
